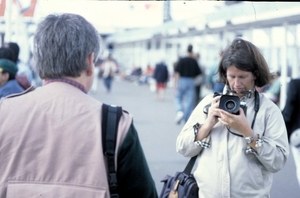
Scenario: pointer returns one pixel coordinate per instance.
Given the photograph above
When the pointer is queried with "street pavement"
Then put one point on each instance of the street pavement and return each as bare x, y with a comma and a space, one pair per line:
154, 121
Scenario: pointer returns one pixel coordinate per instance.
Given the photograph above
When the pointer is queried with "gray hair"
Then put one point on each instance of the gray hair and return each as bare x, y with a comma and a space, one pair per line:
62, 44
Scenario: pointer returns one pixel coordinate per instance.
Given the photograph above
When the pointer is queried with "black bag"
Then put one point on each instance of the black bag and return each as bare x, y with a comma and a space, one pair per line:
182, 185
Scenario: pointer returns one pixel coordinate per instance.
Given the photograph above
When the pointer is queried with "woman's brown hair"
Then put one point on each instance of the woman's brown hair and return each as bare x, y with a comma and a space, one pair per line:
247, 57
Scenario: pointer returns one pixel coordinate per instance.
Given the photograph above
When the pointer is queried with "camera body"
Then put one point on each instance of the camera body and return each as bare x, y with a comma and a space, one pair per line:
231, 103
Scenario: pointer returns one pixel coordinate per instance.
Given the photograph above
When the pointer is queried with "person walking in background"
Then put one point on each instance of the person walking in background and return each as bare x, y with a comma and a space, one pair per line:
109, 70
212, 80
161, 76
198, 81
240, 149
146, 76
8, 83
291, 115
186, 70
38, 157
6, 53
273, 90
23, 68
97, 74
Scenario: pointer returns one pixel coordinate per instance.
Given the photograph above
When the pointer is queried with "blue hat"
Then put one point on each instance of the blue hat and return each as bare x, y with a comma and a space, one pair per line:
8, 66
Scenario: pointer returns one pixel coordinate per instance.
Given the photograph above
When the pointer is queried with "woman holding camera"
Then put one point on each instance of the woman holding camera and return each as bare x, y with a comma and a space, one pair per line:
242, 150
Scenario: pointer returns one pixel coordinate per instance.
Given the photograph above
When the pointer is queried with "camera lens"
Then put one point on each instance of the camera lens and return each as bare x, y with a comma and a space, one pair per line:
230, 105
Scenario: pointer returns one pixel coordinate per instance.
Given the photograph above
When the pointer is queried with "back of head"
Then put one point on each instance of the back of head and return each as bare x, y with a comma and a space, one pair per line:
6, 53
247, 57
62, 44
15, 49
190, 48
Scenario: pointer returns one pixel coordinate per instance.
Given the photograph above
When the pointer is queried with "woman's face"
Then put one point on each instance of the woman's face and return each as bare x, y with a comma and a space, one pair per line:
240, 80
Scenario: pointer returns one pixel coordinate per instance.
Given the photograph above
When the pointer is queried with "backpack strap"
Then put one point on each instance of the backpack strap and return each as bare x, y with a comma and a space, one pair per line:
110, 121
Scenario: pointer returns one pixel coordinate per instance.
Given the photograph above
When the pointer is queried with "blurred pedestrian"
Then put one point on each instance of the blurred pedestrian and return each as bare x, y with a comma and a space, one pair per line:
161, 76
50, 136
198, 81
186, 71
109, 70
23, 68
6, 53
291, 115
146, 75
212, 80
11, 84
97, 75
273, 90
8, 83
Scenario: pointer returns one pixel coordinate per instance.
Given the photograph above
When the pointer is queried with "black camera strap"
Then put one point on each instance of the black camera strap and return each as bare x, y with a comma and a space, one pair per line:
256, 108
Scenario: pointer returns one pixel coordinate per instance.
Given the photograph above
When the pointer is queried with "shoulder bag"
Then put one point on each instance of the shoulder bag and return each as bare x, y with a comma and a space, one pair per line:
182, 185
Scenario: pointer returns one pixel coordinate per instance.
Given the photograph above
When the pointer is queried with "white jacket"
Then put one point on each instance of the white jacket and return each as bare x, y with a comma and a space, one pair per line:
224, 169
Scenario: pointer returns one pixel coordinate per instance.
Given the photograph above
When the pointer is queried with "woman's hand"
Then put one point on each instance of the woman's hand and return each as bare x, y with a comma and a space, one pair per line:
213, 112
237, 122
211, 120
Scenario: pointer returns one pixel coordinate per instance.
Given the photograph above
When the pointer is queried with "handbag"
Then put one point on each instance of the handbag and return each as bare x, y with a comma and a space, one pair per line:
182, 184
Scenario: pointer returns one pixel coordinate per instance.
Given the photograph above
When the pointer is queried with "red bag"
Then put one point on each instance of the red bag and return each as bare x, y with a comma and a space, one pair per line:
23, 81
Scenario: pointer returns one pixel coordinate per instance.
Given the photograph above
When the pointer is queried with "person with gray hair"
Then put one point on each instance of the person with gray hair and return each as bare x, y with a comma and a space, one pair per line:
50, 136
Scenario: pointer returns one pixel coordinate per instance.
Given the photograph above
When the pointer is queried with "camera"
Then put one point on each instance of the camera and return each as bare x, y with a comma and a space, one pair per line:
229, 103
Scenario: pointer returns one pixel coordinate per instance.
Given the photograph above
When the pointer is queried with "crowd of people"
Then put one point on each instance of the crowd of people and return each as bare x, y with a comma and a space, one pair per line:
242, 145
16, 76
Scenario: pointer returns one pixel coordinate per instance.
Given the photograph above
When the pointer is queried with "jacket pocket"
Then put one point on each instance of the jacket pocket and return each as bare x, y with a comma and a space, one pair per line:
50, 190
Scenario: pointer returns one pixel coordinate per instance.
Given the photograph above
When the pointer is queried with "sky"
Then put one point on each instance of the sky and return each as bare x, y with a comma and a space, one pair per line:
109, 15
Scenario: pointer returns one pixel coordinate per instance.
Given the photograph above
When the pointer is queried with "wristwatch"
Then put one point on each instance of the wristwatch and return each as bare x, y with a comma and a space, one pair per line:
249, 139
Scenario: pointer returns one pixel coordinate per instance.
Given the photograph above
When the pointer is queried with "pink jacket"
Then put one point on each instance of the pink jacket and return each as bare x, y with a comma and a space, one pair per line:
40, 157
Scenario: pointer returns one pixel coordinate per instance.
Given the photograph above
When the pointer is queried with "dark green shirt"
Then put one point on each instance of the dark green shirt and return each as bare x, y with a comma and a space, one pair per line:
133, 174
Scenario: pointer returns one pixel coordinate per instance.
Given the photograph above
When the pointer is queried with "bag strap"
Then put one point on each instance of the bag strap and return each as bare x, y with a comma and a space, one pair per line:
110, 119
189, 166
256, 107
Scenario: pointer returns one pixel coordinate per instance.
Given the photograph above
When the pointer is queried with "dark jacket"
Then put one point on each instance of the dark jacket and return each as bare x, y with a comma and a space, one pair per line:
291, 111
161, 73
